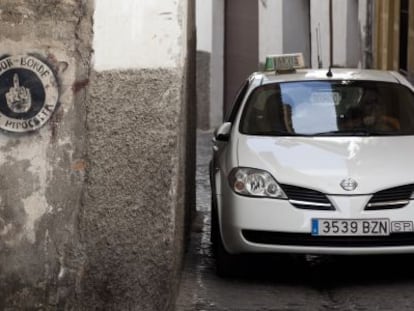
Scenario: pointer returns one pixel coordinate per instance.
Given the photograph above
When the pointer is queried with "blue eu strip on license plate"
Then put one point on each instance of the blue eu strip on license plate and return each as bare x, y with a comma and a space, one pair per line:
315, 227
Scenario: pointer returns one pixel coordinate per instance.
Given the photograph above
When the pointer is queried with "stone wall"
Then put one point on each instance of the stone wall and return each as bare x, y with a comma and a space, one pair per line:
94, 206
129, 216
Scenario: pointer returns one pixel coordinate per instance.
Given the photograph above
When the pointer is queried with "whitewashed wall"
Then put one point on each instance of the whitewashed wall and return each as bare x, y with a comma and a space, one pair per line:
204, 20
270, 28
137, 34
346, 33
296, 24
283, 28
320, 32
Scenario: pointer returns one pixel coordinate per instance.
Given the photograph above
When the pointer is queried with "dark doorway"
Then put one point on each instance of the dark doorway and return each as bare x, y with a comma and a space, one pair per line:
404, 35
241, 50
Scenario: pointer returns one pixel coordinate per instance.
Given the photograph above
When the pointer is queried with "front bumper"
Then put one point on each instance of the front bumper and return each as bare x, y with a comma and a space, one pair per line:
261, 225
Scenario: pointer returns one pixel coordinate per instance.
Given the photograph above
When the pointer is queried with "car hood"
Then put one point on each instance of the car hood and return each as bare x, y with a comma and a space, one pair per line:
322, 163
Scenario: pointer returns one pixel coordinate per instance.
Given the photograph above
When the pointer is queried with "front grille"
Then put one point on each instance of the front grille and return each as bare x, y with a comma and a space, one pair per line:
307, 198
391, 198
304, 239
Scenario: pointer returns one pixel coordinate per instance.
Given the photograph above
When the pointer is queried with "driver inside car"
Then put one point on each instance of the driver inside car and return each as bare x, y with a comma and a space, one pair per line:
374, 115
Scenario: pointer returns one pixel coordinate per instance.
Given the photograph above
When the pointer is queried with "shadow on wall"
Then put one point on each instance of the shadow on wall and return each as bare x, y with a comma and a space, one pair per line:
203, 90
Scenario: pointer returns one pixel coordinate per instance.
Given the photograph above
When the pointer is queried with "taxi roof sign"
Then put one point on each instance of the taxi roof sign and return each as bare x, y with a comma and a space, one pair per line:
284, 62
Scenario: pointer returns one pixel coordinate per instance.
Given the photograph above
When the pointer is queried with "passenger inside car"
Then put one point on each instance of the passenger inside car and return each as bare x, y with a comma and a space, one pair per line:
374, 112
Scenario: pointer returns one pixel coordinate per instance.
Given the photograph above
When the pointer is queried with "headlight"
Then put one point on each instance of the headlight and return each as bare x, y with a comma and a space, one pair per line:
255, 183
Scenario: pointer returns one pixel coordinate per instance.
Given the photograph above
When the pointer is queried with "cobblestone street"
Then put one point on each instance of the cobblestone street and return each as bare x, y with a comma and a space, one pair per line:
287, 282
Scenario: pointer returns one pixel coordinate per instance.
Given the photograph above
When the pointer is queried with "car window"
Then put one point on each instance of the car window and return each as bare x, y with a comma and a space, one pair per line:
231, 114
329, 107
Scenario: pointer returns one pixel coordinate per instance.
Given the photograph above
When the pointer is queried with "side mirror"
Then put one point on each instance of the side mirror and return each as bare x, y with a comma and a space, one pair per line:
222, 133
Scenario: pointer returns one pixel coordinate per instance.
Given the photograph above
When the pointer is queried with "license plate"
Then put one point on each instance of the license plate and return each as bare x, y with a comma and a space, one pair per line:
350, 227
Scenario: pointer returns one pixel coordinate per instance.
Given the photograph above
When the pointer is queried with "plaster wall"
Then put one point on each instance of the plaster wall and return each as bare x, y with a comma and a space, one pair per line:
94, 207
354, 44
284, 28
130, 34
347, 37
271, 39
296, 24
320, 33
43, 173
204, 20
340, 33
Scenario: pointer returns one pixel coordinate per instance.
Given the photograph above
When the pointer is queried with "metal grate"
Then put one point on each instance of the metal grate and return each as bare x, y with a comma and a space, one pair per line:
391, 198
307, 198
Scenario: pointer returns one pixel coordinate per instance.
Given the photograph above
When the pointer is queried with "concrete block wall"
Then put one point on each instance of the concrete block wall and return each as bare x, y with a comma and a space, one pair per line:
94, 206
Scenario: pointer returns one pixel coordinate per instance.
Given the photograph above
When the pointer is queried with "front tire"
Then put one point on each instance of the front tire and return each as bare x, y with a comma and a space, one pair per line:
226, 264
214, 229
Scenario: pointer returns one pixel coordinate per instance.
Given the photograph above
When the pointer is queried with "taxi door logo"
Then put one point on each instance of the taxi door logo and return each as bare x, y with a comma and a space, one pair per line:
28, 93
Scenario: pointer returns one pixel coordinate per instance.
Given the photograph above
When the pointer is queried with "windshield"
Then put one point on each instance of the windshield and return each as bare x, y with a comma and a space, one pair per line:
329, 108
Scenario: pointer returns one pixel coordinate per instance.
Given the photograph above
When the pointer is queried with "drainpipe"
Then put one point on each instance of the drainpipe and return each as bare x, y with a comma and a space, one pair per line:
368, 50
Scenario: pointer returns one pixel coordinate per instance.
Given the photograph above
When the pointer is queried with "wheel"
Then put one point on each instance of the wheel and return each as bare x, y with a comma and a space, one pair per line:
226, 263
214, 229
213, 211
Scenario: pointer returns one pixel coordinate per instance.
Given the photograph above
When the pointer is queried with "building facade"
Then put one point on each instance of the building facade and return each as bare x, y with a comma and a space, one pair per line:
393, 30
245, 31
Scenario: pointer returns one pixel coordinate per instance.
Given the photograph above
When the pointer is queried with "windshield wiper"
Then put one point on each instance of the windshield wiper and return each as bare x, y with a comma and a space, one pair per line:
355, 132
360, 132
276, 133
397, 133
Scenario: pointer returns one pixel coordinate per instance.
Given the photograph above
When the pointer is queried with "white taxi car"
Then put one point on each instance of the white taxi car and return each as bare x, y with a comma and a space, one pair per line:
315, 162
